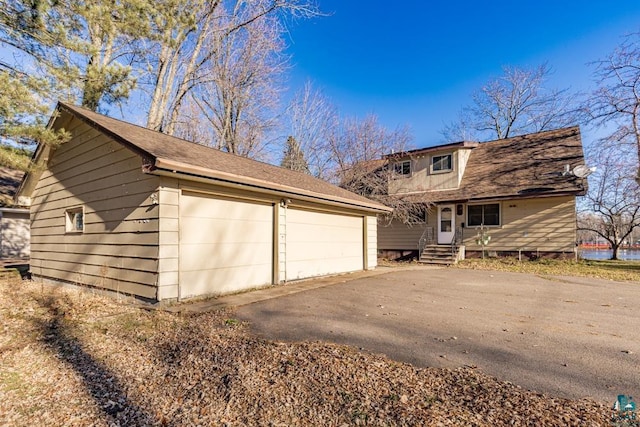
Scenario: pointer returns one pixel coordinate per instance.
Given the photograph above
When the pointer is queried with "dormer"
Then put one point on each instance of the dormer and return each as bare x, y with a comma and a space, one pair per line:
428, 169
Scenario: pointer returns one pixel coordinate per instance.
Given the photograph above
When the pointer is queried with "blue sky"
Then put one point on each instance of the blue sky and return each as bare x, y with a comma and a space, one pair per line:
416, 63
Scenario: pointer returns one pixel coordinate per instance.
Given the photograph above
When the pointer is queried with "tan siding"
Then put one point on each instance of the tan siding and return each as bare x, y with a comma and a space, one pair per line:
108, 213
105, 166
115, 263
544, 224
282, 242
463, 158
372, 241
78, 276
95, 224
118, 249
168, 263
66, 154
107, 180
399, 236
422, 179
130, 251
58, 238
96, 207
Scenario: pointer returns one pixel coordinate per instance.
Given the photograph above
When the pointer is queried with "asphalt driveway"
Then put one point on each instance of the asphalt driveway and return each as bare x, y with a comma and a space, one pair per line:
565, 336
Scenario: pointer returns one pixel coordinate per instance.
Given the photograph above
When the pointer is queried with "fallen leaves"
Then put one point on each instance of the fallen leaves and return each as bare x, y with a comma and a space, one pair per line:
81, 359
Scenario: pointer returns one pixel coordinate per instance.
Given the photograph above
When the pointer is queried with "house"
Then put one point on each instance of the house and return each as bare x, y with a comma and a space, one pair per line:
14, 219
516, 194
127, 209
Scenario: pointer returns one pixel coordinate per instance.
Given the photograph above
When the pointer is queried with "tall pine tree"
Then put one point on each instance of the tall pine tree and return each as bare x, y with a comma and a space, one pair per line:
294, 157
70, 50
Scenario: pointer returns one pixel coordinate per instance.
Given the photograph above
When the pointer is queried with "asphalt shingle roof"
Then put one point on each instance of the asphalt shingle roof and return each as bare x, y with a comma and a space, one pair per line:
522, 166
154, 145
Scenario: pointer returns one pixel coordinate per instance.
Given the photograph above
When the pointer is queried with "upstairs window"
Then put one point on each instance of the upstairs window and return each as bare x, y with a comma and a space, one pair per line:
488, 214
402, 168
443, 163
74, 219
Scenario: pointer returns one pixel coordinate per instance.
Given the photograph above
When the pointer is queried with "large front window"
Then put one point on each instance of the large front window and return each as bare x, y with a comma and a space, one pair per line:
488, 214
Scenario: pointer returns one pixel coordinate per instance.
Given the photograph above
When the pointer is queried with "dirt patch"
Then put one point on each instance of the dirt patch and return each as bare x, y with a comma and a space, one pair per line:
74, 358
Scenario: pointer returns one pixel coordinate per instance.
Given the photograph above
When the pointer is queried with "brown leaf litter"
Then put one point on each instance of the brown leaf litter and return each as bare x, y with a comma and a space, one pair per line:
74, 358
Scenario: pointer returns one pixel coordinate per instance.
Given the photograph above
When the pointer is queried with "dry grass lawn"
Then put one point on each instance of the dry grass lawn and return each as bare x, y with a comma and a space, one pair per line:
75, 358
611, 270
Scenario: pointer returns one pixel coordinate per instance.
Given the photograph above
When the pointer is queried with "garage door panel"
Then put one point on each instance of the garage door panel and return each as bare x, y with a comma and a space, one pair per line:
354, 225
321, 243
224, 254
223, 280
208, 206
314, 267
310, 250
203, 231
225, 245
328, 234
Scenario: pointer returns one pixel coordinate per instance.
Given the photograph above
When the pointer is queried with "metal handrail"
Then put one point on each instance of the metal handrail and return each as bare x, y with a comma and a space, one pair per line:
426, 238
456, 240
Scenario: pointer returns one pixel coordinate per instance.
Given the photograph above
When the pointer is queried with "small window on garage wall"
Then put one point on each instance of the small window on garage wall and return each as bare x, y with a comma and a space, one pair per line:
74, 220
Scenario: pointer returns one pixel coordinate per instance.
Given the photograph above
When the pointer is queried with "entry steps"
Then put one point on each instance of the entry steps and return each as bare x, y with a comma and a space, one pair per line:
438, 254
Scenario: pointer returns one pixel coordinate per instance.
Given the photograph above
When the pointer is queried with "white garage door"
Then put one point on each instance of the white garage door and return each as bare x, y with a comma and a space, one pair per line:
226, 245
321, 243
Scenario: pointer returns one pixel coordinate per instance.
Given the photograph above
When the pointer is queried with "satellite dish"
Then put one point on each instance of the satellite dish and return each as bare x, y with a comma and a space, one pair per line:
581, 171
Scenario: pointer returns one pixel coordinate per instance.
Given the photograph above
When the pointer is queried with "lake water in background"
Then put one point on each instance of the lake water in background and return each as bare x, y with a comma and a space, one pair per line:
598, 254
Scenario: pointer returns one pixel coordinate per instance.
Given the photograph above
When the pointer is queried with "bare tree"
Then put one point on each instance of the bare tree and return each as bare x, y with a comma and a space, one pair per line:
613, 204
351, 152
516, 103
311, 119
193, 126
181, 54
615, 104
357, 142
240, 92
360, 152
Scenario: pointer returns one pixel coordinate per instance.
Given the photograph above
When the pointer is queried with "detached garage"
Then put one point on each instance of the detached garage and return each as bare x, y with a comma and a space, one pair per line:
131, 210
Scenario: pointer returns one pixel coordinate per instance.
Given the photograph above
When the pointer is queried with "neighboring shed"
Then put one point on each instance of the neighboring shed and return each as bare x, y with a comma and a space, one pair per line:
128, 209
14, 219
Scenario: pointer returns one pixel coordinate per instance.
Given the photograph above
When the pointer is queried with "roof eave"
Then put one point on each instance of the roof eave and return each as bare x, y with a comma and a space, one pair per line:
515, 196
464, 145
163, 166
146, 156
29, 180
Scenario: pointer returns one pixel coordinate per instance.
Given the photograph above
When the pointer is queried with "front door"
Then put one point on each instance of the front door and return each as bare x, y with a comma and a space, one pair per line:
446, 224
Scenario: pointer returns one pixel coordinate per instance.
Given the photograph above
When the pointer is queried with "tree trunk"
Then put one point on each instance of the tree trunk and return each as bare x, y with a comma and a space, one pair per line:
614, 253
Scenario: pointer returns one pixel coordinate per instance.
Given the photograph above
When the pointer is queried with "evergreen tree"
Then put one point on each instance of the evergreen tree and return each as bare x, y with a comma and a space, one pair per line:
294, 157
23, 116
69, 50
